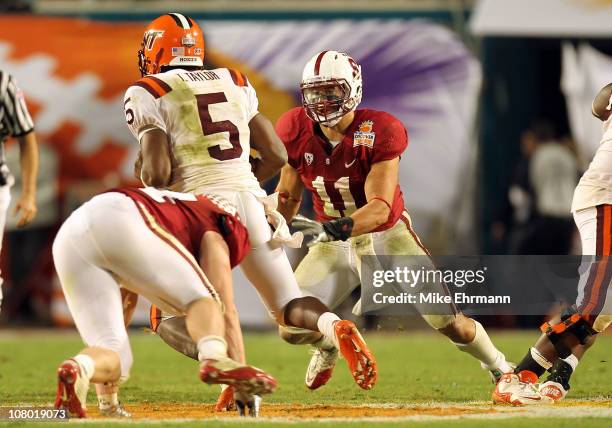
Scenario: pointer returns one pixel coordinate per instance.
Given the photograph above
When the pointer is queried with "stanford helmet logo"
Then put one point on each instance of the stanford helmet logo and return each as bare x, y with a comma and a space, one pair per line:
309, 157
355, 67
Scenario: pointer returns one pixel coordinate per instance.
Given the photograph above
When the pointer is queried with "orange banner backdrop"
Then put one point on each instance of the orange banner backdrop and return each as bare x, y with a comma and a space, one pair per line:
74, 73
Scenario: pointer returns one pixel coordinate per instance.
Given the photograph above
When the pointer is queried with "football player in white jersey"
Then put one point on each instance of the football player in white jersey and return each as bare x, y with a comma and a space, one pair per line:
196, 128
564, 343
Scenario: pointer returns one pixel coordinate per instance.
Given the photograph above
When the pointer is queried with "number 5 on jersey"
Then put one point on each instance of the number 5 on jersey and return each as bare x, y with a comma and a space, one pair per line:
210, 128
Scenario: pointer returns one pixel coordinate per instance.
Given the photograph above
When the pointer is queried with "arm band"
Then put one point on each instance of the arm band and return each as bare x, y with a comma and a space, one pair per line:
381, 199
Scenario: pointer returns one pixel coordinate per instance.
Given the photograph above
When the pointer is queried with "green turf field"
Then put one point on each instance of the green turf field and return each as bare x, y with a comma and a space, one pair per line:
414, 369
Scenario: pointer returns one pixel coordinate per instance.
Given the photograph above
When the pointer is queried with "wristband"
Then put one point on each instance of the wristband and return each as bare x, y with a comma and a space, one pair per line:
339, 229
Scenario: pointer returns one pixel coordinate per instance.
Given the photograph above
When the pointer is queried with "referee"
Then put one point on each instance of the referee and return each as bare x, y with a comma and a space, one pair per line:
15, 121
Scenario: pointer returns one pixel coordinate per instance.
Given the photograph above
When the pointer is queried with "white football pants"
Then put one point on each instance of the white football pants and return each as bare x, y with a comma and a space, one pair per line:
107, 240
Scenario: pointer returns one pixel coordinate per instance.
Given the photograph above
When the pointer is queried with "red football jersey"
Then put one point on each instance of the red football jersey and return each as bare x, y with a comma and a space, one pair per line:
187, 217
336, 175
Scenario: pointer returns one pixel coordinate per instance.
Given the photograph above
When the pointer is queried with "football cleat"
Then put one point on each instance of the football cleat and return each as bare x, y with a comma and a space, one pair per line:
247, 405
320, 368
360, 360
117, 411
247, 379
71, 389
225, 402
518, 389
553, 390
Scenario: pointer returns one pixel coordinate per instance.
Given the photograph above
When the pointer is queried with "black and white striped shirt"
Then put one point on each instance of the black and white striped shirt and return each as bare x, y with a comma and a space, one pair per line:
15, 120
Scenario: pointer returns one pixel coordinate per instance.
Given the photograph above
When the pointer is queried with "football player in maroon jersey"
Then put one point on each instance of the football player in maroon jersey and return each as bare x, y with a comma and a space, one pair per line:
153, 242
348, 159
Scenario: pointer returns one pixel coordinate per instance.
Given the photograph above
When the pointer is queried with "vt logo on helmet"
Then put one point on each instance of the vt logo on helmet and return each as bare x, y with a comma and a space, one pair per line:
171, 40
331, 87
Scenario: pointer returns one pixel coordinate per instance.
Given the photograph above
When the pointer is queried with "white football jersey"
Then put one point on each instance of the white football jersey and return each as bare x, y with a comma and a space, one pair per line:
206, 116
595, 186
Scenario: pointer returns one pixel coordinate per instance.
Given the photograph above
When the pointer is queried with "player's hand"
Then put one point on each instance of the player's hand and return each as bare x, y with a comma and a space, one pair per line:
310, 228
334, 230
26, 208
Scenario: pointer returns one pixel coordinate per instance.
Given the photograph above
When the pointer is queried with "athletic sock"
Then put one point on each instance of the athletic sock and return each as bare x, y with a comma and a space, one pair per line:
86, 364
325, 323
107, 395
534, 362
483, 350
324, 343
212, 348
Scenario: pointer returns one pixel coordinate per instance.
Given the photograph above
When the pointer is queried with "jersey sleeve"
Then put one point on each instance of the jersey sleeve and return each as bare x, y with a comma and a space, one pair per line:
252, 101
142, 111
16, 118
391, 140
287, 129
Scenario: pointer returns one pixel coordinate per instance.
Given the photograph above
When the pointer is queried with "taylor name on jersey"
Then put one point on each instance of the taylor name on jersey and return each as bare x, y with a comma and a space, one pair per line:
206, 116
336, 175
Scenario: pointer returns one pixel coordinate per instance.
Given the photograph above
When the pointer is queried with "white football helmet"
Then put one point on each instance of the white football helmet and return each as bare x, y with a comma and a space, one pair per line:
331, 87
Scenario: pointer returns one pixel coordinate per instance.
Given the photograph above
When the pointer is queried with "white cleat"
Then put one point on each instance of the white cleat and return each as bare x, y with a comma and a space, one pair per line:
552, 390
518, 390
320, 368
117, 411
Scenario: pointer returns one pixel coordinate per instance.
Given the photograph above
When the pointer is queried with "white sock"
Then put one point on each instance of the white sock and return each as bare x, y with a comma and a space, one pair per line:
87, 365
324, 343
107, 395
325, 323
483, 349
573, 361
212, 348
108, 401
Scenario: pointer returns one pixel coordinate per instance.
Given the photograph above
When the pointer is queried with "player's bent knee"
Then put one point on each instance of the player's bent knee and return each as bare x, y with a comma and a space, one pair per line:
298, 336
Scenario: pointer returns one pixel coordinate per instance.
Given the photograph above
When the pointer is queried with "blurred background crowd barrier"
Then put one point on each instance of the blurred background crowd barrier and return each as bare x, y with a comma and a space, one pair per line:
494, 100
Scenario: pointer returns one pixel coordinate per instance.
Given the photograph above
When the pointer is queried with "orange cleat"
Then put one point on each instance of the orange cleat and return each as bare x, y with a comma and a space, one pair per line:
361, 361
225, 402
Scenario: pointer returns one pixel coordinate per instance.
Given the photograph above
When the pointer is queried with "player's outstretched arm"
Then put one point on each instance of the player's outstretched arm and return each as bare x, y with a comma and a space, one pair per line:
290, 188
380, 186
271, 149
28, 158
156, 163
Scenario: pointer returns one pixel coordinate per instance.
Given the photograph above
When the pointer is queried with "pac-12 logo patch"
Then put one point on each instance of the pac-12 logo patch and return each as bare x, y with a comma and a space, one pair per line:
365, 136
309, 157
